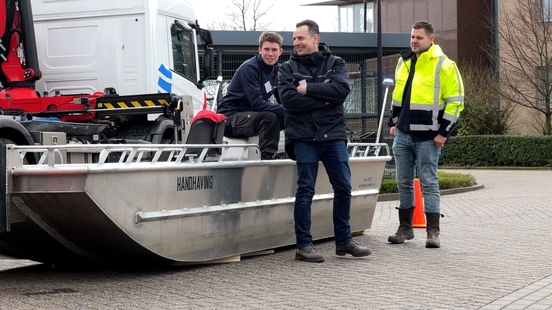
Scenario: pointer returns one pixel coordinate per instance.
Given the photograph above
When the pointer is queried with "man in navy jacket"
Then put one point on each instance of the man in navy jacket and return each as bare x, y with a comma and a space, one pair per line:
246, 105
313, 86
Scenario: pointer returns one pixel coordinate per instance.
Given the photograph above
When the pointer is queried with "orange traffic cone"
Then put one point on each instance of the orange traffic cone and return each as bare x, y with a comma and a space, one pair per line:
419, 220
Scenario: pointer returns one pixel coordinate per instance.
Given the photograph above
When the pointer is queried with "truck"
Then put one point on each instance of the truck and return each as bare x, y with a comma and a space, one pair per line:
103, 162
99, 71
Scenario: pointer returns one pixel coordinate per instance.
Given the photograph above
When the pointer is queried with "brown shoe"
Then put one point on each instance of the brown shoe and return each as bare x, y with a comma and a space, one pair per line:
352, 248
309, 254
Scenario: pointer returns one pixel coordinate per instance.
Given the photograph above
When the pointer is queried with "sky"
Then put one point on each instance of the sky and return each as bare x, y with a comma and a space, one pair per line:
283, 15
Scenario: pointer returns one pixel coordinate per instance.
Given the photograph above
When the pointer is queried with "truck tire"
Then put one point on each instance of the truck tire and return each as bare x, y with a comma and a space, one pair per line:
4, 141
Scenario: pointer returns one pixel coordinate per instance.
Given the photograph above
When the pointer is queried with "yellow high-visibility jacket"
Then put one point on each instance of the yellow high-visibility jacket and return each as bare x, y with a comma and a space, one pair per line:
437, 96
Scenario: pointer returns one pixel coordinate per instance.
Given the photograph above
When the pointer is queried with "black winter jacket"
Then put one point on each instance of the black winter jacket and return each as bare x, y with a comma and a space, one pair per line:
253, 83
307, 117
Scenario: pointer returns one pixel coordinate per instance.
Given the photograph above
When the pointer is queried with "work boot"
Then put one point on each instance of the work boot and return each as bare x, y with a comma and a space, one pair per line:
352, 248
309, 254
433, 230
405, 231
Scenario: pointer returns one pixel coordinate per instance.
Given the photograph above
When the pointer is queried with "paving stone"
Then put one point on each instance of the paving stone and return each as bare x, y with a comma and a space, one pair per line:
495, 254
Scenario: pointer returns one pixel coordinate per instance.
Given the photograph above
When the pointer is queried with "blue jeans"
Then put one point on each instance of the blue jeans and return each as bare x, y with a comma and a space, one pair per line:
335, 158
424, 156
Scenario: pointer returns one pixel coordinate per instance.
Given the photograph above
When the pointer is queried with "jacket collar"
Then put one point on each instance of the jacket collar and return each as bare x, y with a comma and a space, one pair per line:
434, 51
312, 59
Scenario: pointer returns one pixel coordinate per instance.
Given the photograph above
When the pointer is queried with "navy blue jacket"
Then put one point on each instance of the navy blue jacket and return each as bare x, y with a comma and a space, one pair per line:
307, 117
253, 83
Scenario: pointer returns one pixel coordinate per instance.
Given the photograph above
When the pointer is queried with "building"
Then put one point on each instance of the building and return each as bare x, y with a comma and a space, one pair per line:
465, 33
462, 31
459, 24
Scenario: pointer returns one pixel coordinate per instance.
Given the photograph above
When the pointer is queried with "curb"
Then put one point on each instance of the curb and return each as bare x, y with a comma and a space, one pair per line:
395, 196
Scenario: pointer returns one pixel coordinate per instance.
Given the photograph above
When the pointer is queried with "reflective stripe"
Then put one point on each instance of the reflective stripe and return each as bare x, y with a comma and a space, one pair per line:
433, 127
451, 118
395, 120
427, 107
437, 85
457, 112
401, 62
454, 99
460, 83
397, 103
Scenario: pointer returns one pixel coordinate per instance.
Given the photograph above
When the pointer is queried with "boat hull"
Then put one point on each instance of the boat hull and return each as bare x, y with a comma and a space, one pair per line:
170, 212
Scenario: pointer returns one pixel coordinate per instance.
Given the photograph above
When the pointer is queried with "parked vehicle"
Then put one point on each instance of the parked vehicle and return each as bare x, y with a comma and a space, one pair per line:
94, 167
114, 68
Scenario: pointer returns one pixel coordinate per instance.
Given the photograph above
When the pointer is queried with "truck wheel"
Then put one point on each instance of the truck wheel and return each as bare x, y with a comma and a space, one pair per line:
4, 141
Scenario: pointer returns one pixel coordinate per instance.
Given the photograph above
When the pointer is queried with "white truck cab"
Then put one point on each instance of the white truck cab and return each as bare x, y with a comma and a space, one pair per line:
132, 46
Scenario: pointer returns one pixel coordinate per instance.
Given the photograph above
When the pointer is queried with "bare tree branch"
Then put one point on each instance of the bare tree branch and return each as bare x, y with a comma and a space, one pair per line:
526, 58
246, 15
483, 113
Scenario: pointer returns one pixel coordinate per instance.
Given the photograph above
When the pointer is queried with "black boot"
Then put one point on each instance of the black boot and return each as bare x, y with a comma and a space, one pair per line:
405, 231
433, 230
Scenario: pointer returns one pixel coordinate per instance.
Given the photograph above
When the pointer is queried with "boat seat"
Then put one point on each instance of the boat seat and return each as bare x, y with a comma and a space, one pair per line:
234, 153
205, 132
252, 154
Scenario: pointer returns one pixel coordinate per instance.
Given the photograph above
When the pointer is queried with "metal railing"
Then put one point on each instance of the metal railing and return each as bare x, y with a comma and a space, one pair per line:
51, 155
367, 149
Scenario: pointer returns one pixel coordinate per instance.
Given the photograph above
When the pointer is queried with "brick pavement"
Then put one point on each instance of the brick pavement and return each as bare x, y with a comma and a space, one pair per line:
495, 254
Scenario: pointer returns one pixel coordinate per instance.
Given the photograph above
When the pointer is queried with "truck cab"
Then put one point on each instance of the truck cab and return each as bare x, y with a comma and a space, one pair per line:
129, 69
130, 46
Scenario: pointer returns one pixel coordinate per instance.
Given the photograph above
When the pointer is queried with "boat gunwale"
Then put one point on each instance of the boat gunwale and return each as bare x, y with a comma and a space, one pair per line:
154, 165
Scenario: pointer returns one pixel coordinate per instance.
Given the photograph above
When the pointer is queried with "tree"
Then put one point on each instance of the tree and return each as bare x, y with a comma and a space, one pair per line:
525, 58
245, 15
484, 113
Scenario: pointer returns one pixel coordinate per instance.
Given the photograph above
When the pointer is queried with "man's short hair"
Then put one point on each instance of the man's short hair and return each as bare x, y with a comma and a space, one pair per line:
272, 37
423, 24
313, 26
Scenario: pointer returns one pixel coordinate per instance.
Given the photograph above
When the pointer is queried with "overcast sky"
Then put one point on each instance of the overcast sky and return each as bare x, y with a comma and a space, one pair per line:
283, 15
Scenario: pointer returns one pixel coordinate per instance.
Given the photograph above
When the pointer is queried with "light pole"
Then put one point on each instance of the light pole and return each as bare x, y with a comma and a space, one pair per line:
380, 67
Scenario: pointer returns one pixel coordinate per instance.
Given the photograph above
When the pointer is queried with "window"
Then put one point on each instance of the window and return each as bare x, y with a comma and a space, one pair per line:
545, 86
183, 48
546, 10
351, 18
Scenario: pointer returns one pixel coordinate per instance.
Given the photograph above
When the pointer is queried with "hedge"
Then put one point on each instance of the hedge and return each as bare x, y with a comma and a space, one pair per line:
492, 151
447, 180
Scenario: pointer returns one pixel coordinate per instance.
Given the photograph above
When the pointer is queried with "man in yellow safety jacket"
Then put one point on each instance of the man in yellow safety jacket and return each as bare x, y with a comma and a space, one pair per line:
427, 101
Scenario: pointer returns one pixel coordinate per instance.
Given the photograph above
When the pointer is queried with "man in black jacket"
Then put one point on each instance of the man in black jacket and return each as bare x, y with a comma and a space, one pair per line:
313, 85
246, 105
